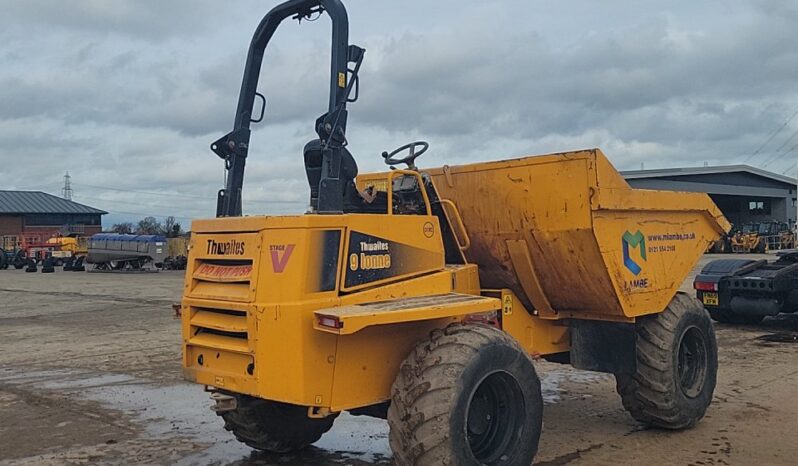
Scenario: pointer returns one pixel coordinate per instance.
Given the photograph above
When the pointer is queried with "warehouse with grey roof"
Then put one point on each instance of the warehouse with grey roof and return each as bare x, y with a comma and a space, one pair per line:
36, 212
743, 193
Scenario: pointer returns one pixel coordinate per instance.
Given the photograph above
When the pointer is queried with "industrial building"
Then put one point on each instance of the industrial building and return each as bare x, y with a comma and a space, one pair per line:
743, 193
37, 213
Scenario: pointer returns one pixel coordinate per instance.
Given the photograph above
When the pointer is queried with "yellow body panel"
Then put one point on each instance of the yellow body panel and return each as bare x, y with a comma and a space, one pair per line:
537, 336
571, 238
254, 304
551, 238
354, 318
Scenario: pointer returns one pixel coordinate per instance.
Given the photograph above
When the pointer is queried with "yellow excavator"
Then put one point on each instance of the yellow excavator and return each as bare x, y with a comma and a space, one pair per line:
424, 296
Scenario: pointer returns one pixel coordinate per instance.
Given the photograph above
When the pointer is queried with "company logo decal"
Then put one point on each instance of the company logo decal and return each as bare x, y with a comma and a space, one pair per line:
373, 255
280, 254
628, 241
225, 248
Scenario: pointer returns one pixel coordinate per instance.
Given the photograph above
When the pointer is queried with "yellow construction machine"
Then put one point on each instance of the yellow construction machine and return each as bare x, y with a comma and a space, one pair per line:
424, 296
69, 246
762, 237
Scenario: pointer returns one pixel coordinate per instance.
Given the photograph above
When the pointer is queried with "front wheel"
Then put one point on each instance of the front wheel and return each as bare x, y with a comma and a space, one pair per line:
677, 365
272, 426
467, 396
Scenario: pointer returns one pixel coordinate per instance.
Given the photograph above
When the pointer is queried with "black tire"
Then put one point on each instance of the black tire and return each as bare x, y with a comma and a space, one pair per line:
677, 364
272, 426
469, 395
718, 247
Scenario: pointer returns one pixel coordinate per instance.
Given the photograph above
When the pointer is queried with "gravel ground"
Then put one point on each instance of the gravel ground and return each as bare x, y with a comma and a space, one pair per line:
90, 373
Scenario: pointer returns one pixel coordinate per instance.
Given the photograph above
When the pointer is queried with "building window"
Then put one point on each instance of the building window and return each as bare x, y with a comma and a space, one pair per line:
759, 207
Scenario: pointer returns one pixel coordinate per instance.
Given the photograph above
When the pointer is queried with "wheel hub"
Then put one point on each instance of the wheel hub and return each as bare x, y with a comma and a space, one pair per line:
692, 362
495, 413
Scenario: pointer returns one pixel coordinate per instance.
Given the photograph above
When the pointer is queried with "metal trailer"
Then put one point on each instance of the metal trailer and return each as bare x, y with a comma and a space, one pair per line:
745, 291
118, 252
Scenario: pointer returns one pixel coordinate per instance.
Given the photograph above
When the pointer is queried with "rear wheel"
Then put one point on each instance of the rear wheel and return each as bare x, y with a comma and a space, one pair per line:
677, 364
469, 395
272, 426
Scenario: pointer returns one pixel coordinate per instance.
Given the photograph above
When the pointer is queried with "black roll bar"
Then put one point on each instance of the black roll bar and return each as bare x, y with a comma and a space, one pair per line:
331, 127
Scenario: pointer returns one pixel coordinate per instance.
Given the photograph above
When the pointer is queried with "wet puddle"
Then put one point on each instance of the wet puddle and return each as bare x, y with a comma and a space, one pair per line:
181, 411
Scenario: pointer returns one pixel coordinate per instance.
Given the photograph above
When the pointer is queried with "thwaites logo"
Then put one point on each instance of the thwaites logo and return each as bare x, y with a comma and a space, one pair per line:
280, 253
225, 248
373, 255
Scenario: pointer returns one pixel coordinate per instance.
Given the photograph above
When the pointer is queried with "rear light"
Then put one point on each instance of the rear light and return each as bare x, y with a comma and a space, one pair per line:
705, 286
330, 322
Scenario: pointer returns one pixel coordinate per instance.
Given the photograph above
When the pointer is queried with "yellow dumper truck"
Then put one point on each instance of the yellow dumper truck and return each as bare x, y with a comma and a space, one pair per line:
424, 296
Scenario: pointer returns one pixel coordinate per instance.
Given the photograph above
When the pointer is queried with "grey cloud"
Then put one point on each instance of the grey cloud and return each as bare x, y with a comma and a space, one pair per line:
141, 19
129, 94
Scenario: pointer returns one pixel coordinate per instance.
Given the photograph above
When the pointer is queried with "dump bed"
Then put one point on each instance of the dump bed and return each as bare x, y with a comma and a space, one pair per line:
573, 239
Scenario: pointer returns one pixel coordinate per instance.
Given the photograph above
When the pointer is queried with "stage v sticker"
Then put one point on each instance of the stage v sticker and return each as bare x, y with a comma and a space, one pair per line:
280, 254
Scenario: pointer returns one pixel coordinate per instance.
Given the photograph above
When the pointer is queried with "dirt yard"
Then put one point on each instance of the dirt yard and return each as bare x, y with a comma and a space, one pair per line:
90, 373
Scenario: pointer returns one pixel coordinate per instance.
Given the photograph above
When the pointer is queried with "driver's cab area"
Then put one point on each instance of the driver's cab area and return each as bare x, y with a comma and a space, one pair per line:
400, 191
406, 196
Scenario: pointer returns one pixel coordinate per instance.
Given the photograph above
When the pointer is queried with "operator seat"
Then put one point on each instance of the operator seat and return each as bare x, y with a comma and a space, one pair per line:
313, 157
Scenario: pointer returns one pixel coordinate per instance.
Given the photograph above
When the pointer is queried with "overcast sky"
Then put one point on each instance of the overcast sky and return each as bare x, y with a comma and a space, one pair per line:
128, 94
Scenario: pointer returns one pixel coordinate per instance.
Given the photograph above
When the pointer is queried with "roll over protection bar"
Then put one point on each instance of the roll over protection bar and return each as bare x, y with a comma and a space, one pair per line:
330, 127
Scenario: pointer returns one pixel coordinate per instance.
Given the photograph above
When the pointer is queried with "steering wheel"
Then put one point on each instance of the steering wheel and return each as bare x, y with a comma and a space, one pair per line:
410, 158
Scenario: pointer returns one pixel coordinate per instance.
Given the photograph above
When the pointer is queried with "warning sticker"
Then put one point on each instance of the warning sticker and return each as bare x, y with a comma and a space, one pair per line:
507, 305
223, 273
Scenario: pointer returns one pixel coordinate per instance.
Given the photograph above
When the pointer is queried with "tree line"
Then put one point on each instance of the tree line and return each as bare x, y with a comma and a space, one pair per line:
170, 227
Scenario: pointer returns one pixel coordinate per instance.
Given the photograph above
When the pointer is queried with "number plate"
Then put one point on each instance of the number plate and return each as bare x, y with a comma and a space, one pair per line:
710, 299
